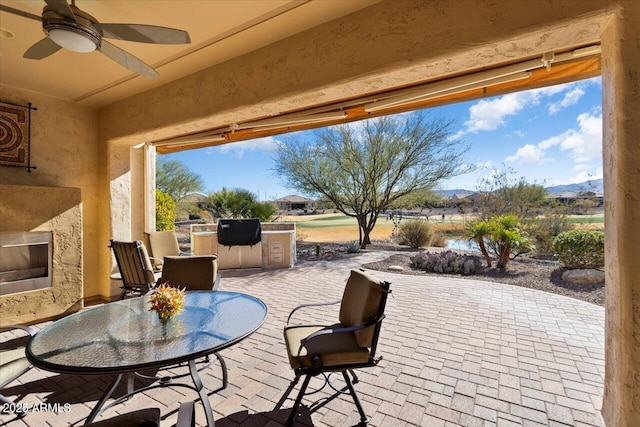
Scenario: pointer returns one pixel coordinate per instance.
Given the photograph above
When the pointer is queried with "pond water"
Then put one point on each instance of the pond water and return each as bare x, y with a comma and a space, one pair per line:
461, 245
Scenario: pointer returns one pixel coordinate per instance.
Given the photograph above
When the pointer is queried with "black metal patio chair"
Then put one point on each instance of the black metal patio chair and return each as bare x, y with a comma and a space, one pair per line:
342, 347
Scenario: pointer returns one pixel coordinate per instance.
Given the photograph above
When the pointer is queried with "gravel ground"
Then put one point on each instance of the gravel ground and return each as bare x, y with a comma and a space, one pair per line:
528, 272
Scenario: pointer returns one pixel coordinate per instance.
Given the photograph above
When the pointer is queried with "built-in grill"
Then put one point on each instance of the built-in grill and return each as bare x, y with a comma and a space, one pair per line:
239, 232
25, 261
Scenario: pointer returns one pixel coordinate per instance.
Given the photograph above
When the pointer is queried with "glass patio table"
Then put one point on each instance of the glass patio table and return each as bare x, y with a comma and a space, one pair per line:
124, 337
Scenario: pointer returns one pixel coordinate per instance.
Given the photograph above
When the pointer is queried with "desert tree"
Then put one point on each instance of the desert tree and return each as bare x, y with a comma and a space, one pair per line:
174, 178
363, 168
501, 193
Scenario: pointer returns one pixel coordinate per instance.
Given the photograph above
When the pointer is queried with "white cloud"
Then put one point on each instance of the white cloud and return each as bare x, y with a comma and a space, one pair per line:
528, 153
490, 115
584, 143
239, 148
586, 174
550, 90
570, 98
457, 136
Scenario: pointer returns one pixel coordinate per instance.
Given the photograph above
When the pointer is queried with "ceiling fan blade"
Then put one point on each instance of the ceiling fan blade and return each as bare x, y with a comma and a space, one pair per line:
42, 49
127, 60
20, 12
61, 7
144, 33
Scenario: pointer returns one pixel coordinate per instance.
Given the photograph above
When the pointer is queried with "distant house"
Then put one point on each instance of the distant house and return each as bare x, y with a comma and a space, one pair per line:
195, 198
293, 202
568, 197
458, 198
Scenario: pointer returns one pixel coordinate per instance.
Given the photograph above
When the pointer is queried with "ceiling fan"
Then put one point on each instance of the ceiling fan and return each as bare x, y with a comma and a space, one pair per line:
66, 26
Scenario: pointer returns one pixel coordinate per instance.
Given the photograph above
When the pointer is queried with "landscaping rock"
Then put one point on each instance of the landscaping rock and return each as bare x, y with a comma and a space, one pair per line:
584, 276
396, 268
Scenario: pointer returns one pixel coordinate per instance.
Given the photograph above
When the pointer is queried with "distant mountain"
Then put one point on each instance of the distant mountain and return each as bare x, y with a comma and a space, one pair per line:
449, 193
594, 185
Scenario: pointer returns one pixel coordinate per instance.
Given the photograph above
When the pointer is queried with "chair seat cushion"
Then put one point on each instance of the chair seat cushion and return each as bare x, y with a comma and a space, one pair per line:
12, 363
333, 349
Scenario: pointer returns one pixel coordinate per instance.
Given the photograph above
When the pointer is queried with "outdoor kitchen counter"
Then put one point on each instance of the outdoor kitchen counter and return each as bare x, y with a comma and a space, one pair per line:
276, 250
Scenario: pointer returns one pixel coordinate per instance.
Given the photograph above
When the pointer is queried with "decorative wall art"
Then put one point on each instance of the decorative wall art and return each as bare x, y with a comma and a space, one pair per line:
15, 133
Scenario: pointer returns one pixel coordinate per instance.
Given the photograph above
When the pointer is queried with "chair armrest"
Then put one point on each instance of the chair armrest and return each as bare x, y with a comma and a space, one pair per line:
316, 304
321, 332
156, 263
28, 329
186, 415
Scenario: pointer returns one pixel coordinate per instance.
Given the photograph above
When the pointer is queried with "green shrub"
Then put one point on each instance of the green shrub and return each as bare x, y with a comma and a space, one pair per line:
416, 233
262, 210
580, 248
165, 211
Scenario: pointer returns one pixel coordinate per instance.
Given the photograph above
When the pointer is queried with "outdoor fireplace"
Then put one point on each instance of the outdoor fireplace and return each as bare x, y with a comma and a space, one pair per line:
25, 261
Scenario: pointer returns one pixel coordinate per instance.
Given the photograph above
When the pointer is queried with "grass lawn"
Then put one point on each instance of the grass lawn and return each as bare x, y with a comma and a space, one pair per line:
595, 219
337, 220
337, 228
340, 228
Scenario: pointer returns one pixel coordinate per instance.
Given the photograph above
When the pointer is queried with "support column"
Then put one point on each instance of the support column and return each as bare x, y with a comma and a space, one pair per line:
138, 160
150, 187
120, 191
119, 206
621, 161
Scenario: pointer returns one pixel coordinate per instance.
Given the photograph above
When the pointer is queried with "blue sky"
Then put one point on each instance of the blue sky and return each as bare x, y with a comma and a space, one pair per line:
550, 136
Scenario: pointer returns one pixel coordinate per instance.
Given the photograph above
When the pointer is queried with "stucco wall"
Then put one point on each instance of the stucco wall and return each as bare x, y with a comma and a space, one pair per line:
54, 209
621, 160
389, 44
66, 152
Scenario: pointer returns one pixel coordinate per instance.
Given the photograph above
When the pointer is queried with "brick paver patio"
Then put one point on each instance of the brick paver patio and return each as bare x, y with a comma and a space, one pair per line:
456, 352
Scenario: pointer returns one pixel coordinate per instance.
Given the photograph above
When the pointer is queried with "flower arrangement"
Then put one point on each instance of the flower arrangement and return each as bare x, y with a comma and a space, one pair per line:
167, 301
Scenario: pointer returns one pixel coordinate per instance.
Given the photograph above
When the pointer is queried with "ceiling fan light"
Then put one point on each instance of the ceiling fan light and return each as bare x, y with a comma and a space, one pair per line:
75, 41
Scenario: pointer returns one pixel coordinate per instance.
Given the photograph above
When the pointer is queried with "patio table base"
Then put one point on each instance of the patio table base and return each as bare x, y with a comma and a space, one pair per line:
197, 386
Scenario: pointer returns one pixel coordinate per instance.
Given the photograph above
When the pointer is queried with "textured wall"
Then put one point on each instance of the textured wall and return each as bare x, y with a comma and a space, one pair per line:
65, 149
56, 209
621, 128
388, 44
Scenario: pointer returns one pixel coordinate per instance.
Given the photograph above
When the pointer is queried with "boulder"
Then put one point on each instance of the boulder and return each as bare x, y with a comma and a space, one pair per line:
584, 276
396, 268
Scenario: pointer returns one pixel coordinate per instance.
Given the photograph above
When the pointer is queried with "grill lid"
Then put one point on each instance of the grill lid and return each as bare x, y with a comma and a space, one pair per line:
239, 232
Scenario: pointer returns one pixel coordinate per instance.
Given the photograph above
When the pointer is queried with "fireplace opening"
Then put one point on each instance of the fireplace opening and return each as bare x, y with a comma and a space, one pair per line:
25, 261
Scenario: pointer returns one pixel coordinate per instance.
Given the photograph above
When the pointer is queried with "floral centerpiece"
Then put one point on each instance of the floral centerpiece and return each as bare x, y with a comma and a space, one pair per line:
167, 301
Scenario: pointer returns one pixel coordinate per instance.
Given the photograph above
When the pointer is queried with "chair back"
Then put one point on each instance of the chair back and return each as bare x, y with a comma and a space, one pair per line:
163, 243
195, 273
363, 301
134, 264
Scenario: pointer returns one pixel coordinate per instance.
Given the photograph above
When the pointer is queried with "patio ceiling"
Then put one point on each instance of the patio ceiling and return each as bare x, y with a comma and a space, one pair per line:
225, 29
219, 30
